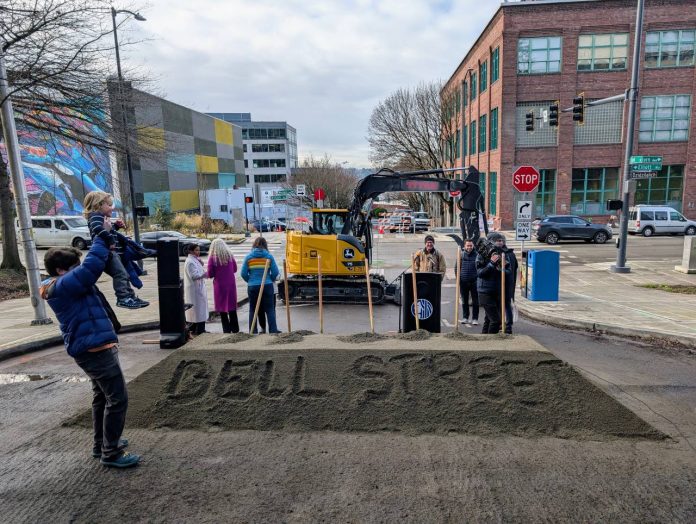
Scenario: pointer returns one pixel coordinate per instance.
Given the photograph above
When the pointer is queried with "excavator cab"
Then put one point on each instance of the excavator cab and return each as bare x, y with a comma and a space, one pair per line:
328, 221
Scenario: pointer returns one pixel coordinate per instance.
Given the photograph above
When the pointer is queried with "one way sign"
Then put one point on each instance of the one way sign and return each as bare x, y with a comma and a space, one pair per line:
523, 230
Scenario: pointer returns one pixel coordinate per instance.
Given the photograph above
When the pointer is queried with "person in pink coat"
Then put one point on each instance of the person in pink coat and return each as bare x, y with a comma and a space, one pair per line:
222, 268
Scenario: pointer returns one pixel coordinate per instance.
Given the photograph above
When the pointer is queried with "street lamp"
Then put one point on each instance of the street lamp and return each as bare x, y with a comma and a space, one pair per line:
129, 167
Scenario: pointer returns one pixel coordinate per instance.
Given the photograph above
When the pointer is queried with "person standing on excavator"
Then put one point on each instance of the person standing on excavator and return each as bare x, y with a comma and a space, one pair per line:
429, 259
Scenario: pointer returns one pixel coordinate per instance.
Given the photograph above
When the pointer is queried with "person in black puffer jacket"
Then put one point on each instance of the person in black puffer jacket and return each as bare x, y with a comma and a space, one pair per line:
488, 285
510, 285
467, 283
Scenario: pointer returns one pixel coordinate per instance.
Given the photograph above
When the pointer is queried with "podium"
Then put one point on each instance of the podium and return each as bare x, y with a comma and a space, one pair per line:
429, 287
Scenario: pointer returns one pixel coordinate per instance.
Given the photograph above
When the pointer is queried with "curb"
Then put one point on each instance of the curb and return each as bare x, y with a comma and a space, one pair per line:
55, 340
610, 329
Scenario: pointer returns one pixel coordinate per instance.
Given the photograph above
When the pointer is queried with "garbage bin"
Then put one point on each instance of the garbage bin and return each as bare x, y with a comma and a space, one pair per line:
429, 286
543, 274
173, 332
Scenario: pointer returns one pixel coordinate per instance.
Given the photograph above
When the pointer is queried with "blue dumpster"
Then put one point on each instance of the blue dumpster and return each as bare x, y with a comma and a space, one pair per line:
542, 275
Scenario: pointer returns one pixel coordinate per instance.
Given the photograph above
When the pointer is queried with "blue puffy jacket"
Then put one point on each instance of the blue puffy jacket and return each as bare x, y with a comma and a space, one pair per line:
253, 267
73, 297
467, 272
488, 281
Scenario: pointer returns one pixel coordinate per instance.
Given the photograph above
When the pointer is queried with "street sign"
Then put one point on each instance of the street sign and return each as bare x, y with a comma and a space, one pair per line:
635, 175
300, 190
524, 210
525, 179
523, 230
644, 166
279, 198
285, 192
645, 160
319, 194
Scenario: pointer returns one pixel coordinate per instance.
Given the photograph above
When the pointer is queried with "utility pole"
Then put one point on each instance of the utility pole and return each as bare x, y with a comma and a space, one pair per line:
620, 266
21, 201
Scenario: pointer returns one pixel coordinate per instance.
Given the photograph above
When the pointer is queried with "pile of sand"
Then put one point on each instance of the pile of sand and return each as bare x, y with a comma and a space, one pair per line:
362, 338
234, 338
286, 338
419, 334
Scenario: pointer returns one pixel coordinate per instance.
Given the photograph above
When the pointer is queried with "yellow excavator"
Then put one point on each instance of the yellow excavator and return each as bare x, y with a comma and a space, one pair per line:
342, 238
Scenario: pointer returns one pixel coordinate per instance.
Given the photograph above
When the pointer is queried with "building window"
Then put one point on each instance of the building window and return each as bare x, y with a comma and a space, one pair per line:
472, 138
495, 64
244, 148
269, 162
223, 208
482, 133
465, 94
493, 192
482, 185
664, 189
591, 188
664, 118
269, 179
483, 77
456, 143
603, 124
267, 148
539, 55
472, 86
464, 141
669, 48
542, 135
494, 130
246, 164
608, 52
545, 198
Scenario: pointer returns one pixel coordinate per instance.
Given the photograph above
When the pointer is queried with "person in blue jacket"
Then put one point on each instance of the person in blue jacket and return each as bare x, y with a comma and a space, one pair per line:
252, 273
488, 285
467, 283
89, 327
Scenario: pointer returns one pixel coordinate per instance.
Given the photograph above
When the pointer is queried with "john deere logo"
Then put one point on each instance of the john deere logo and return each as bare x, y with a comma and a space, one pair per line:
348, 253
425, 309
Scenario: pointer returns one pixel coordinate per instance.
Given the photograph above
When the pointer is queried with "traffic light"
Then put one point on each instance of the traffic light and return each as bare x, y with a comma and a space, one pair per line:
553, 114
248, 200
579, 108
529, 121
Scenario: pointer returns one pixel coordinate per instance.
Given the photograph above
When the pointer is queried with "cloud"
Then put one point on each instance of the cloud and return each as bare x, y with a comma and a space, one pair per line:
322, 66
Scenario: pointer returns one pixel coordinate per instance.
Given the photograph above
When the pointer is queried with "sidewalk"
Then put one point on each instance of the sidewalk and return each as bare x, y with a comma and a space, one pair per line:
593, 298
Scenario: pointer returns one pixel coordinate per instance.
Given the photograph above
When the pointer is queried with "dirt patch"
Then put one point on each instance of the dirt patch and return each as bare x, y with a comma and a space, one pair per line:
13, 284
458, 335
286, 338
419, 334
490, 393
234, 338
304, 332
362, 338
683, 289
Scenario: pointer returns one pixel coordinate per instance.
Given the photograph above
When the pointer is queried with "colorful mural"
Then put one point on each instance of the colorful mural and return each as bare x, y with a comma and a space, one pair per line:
58, 172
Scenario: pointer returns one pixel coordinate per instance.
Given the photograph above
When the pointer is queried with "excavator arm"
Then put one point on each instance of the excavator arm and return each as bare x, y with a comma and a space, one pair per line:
470, 201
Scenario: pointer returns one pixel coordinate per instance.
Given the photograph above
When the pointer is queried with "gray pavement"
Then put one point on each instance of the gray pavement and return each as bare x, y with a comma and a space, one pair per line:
591, 297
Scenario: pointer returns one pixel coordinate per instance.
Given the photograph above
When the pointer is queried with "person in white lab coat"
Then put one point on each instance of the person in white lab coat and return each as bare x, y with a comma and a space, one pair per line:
194, 289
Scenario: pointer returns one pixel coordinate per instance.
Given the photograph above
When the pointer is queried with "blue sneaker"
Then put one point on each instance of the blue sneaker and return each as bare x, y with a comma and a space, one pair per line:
129, 303
122, 443
125, 460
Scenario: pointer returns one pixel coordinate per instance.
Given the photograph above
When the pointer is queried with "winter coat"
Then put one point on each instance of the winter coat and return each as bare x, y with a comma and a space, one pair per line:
430, 262
74, 298
194, 289
131, 252
95, 222
488, 281
254, 264
511, 283
224, 284
467, 271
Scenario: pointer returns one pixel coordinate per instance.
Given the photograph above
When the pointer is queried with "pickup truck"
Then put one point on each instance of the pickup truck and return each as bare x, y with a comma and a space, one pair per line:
422, 220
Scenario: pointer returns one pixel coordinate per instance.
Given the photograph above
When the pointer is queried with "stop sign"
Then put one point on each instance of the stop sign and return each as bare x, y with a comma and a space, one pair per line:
525, 179
319, 194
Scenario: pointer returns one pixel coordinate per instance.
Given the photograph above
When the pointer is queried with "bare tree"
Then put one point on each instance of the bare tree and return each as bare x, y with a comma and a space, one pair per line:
56, 52
337, 181
416, 129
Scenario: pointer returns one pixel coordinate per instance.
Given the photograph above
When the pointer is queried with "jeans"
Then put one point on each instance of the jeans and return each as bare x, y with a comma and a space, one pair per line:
114, 268
466, 288
109, 399
491, 304
230, 323
196, 328
267, 307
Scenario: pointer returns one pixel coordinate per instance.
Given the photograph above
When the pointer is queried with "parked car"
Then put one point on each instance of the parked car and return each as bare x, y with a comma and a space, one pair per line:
149, 240
553, 228
66, 230
421, 219
655, 220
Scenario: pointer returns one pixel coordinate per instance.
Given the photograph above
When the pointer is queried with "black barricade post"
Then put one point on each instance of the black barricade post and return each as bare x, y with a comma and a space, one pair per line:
173, 333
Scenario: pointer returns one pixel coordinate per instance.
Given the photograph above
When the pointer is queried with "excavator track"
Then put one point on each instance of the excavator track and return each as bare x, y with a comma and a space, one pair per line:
304, 289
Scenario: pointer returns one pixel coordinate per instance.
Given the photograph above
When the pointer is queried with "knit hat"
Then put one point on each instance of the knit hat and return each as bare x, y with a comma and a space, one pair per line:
495, 236
429, 238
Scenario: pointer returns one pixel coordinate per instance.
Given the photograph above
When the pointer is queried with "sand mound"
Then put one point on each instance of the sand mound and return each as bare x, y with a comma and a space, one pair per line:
458, 335
523, 393
286, 338
234, 338
419, 334
304, 332
362, 338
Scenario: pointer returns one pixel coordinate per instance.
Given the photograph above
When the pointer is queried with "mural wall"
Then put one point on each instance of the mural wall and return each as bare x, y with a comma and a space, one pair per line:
58, 172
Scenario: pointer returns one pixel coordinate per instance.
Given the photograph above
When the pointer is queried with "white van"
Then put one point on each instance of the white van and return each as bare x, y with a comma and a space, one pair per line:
52, 231
650, 220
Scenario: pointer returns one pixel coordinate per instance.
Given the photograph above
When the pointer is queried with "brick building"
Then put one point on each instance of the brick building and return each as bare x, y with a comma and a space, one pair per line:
533, 53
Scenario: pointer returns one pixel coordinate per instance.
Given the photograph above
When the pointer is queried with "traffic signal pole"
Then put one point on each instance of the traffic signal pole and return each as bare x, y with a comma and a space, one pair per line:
620, 266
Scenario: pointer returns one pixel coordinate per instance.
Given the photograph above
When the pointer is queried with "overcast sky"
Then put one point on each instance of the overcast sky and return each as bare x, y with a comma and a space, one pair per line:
322, 66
